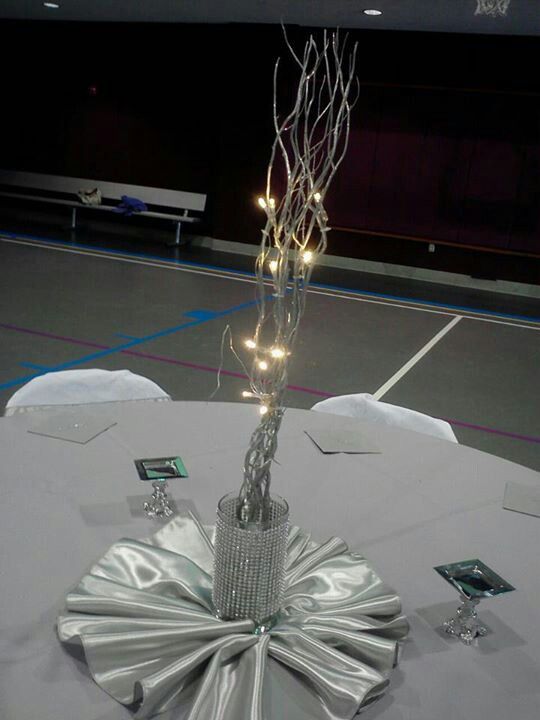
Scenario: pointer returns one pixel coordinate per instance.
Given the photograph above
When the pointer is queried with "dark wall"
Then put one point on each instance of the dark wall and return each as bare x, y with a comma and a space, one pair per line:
445, 141
445, 165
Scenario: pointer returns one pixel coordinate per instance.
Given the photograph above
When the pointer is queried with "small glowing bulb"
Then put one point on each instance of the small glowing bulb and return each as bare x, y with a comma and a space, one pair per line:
263, 365
273, 265
317, 197
262, 203
251, 344
263, 409
277, 352
247, 394
272, 202
307, 256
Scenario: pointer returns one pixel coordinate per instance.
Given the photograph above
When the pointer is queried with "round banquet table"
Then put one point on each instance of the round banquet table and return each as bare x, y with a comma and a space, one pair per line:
418, 503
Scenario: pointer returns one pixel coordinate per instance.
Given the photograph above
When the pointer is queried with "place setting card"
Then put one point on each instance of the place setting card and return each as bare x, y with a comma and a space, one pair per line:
339, 439
74, 425
522, 498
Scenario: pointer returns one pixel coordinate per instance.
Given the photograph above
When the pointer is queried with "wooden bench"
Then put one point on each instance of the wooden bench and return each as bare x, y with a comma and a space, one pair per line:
172, 205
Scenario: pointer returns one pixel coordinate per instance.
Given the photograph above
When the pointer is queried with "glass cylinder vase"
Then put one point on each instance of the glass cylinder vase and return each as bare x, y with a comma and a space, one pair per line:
249, 562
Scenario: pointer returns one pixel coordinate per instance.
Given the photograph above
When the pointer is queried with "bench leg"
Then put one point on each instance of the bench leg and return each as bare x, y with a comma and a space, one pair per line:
73, 218
177, 237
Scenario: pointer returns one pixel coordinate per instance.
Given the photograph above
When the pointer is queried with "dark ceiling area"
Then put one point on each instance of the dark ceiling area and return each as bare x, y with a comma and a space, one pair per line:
450, 16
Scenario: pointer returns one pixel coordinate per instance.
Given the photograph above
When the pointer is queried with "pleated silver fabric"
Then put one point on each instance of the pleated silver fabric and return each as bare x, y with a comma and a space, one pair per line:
144, 617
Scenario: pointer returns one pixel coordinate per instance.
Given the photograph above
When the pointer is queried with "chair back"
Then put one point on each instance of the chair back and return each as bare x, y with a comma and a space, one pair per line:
79, 387
365, 407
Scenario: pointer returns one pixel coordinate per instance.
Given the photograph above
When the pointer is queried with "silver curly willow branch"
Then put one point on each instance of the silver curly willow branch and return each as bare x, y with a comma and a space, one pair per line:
310, 144
494, 8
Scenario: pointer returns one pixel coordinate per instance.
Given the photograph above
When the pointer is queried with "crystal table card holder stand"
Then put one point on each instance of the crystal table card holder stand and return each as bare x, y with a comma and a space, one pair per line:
249, 564
158, 506
473, 580
158, 471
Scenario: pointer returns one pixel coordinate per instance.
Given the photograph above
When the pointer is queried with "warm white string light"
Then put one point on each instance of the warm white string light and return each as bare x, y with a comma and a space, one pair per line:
275, 352
266, 205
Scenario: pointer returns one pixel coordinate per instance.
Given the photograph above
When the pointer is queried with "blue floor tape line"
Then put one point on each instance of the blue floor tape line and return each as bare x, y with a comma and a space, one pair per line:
202, 314
20, 380
322, 286
126, 346
33, 366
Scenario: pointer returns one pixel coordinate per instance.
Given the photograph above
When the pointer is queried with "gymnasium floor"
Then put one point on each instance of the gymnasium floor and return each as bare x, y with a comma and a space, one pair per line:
470, 357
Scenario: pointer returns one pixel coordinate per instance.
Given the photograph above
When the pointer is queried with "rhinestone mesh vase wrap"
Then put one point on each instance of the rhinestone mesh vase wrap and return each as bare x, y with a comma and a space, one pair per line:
249, 562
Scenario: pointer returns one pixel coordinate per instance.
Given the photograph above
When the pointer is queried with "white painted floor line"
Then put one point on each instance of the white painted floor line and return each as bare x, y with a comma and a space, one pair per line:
389, 303
134, 261
209, 272
503, 322
412, 305
415, 358
231, 275
393, 303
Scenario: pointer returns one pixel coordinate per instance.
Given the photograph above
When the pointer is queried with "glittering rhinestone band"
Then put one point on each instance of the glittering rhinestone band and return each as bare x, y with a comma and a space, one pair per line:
249, 562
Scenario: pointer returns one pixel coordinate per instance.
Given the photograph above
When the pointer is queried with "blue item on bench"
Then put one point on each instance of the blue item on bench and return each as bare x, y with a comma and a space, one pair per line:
130, 205
169, 204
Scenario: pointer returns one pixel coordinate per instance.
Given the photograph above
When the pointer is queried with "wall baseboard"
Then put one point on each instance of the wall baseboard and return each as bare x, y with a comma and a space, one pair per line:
381, 268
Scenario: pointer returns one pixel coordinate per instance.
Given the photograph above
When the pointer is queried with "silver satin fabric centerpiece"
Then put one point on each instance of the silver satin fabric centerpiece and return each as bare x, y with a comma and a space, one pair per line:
144, 617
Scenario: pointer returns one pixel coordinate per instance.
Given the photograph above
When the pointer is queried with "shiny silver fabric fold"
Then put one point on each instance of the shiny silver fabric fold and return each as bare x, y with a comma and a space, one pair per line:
144, 617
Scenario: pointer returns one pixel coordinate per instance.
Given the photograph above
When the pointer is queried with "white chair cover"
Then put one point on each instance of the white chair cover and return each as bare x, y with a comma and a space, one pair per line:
365, 407
79, 387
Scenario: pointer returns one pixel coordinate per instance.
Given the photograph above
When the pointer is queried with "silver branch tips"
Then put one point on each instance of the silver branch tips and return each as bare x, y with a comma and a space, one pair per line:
494, 8
310, 144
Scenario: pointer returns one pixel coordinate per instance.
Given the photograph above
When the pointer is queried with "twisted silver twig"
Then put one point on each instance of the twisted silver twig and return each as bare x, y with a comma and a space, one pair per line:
310, 144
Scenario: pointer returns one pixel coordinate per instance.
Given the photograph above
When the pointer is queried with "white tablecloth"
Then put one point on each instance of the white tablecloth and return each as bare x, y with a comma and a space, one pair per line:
420, 502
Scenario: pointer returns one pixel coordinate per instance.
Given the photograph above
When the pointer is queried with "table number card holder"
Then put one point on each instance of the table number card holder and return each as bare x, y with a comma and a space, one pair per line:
473, 580
158, 471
